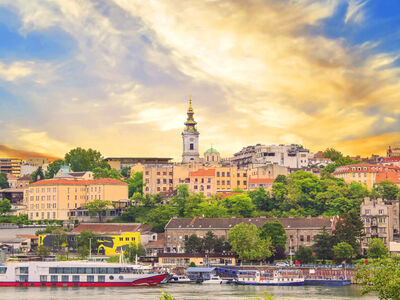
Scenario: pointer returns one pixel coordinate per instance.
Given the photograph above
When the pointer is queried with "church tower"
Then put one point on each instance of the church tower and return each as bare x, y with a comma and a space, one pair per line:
190, 138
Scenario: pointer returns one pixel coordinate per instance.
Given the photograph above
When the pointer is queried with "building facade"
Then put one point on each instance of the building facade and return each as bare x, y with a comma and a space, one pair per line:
300, 231
381, 220
190, 138
11, 166
54, 198
364, 173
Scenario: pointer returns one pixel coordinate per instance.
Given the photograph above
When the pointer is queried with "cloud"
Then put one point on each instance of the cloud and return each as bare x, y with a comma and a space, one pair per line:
6, 151
259, 72
355, 13
15, 70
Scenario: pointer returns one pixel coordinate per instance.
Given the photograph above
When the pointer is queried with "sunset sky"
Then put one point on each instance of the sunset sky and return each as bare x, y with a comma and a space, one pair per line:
116, 75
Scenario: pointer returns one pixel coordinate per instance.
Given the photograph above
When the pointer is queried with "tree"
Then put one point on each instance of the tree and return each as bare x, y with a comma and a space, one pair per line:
350, 229
262, 199
323, 244
377, 249
281, 179
43, 251
37, 175
88, 240
342, 252
125, 171
211, 210
83, 251
98, 207
193, 244
239, 205
85, 160
387, 189
160, 216
276, 232
133, 251
100, 172
304, 255
5, 206
59, 239
381, 276
53, 168
209, 242
135, 183
3, 181
332, 154
246, 242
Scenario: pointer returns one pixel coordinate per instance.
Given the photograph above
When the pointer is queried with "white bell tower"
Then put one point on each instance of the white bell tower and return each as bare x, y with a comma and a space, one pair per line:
190, 138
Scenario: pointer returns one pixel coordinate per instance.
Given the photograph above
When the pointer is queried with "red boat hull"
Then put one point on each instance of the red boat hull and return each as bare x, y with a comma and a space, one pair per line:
148, 281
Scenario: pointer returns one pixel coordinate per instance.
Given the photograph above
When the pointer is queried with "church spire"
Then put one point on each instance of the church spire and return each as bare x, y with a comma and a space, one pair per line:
190, 122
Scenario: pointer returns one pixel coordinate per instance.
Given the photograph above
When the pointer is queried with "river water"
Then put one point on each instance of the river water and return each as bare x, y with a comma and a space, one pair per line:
185, 291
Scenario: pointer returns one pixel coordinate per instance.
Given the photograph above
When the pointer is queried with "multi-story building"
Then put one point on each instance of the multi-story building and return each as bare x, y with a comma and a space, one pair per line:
11, 166
381, 220
119, 163
265, 183
300, 231
393, 152
54, 198
270, 171
364, 173
290, 156
158, 178
203, 181
36, 161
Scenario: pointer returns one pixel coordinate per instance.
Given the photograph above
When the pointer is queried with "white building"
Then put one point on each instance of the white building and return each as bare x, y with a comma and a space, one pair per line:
190, 138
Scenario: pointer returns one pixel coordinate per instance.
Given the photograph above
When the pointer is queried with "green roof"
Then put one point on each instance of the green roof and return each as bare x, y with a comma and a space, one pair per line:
212, 150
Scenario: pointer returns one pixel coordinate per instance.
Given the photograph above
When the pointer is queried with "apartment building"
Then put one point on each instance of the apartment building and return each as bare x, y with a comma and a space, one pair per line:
11, 166
364, 173
381, 220
203, 181
54, 198
36, 161
290, 156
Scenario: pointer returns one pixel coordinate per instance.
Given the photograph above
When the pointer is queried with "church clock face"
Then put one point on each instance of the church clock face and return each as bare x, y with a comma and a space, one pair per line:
191, 139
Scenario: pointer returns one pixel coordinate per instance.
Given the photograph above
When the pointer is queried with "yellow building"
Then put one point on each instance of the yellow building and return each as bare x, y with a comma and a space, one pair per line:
364, 173
53, 198
11, 166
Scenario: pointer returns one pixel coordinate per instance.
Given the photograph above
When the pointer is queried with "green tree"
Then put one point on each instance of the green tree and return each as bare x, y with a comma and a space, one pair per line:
135, 183
37, 175
246, 242
381, 276
377, 249
262, 199
281, 179
85, 160
275, 231
125, 171
100, 172
304, 255
5, 206
3, 181
59, 239
332, 154
323, 244
133, 251
211, 210
98, 207
349, 229
193, 244
43, 251
158, 217
88, 240
387, 189
239, 205
83, 251
53, 168
343, 252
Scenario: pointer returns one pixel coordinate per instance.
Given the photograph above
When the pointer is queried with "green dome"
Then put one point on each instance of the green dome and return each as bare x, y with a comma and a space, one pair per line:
212, 150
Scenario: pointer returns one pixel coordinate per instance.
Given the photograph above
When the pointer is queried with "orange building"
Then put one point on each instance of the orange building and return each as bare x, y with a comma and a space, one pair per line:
365, 173
202, 181
53, 198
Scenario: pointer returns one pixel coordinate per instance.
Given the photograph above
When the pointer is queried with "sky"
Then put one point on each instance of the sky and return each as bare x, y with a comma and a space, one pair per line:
116, 75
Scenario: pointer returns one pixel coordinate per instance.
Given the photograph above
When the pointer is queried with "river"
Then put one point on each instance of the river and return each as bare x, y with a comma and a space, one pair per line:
185, 291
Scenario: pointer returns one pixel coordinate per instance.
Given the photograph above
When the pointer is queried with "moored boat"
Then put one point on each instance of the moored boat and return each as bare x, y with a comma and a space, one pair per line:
179, 279
78, 274
278, 277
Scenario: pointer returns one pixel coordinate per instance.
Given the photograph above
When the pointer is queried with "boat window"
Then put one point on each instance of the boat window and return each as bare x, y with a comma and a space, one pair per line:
23, 270
121, 277
81, 270
101, 278
43, 278
64, 278
3, 270
103, 270
54, 278
90, 270
73, 270
111, 277
52, 270
67, 270
60, 270
90, 278
75, 278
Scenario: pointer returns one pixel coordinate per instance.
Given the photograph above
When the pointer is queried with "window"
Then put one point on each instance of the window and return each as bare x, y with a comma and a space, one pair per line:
367, 211
381, 211
218, 182
228, 174
121, 239
64, 278
209, 180
301, 238
238, 182
191, 146
75, 278
244, 182
223, 174
127, 239
90, 278
101, 278
228, 182
238, 174
308, 238
54, 278
43, 278
217, 174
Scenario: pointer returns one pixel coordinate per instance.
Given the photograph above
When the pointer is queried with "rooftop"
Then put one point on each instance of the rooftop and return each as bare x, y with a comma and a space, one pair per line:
78, 182
110, 228
203, 172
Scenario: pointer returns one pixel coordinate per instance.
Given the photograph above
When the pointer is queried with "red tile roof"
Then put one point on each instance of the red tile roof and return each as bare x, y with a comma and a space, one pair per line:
389, 159
78, 182
227, 194
370, 169
261, 180
391, 176
159, 243
108, 228
203, 172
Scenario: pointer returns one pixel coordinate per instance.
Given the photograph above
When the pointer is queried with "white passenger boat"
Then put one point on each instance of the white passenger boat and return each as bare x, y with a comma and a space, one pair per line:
78, 273
214, 279
179, 279
278, 277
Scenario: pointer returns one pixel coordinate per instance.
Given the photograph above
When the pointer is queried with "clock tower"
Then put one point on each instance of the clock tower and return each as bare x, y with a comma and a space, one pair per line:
190, 138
